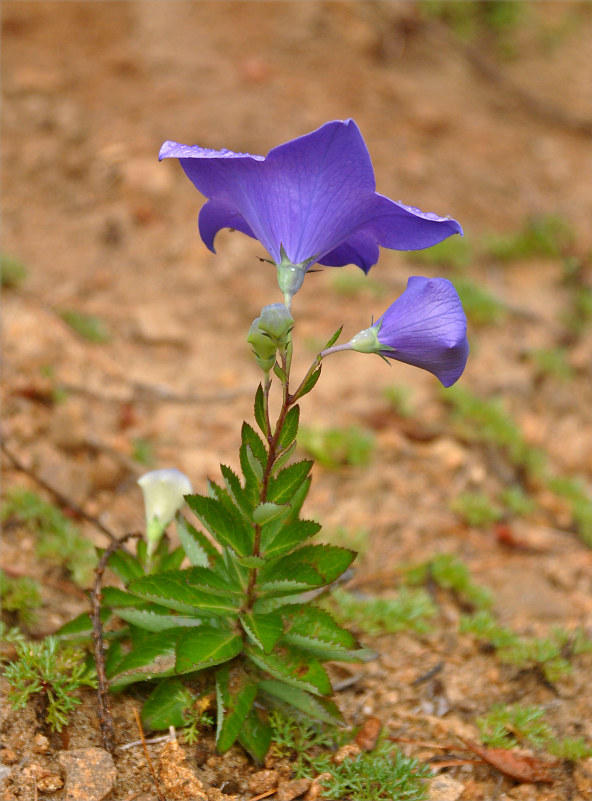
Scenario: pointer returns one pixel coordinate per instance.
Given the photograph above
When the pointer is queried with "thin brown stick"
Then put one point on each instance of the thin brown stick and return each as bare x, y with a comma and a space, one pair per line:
104, 706
147, 755
62, 499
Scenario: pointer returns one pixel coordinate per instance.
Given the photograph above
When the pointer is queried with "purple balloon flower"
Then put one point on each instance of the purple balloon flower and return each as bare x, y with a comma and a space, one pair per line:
425, 327
312, 199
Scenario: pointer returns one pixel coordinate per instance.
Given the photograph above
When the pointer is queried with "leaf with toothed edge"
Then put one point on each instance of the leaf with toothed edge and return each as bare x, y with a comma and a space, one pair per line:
292, 667
275, 542
310, 705
195, 544
290, 428
263, 630
153, 657
235, 695
283, 486
255, 736
308, 567
224, 522
172, 590
204, 647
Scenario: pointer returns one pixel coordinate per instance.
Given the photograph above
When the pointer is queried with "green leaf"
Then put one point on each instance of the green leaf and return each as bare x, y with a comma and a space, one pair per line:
214, 581
165, 706
284, 485
250, 437
251, 561
255, 736
260, 414
125, 566
263, 630
298, 498
195, 543
279, 541
224, 522
292, 667
284, 457
334, 338
310, 382
290, 428
81, 625
172, 560
235, 694
231, 568
155, 656
157, 621
238, 494
173, 591
310, 705
280, 373
266, 512
252, 477
309, 566
206, 646
254, 463
113, 596
312, 628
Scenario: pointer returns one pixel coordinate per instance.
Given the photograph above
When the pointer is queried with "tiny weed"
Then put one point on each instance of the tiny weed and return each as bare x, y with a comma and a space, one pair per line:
305, 742
454, 253
42, 668
547, 236
12, 272
476, 509
517, 502
511, 726
399, 397
336, 447
481, 307
351, 284
552, 362
58, 539
449, 573
580, 501
410, 610
87, 326
570, 749
143, 451
22, 596
195, 713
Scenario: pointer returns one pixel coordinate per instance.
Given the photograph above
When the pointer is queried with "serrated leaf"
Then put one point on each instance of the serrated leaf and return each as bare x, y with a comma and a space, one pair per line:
266, 512
238, 494
254, 463
113, 596
235, 694
298, 498
250, 437
212, 580
125, 566
284, 457
225, 523
252, 562
260, 413
312, 706
155, 656
309, 566
252, 485
195, 544
206, 646
157, 621
312, 628
263, 630
310, 383
165, 706
172, 590
81, 626
292, 667
283, 486
229, 567
255, 736
278, 541
334, 338
172, 560
290, 428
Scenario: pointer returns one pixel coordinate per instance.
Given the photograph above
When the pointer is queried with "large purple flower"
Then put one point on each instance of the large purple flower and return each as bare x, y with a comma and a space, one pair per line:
309, 200
426, 327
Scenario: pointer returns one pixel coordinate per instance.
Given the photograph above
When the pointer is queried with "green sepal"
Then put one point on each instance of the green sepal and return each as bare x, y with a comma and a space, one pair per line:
334, 338
196, 545
224, 522
250, 437
125, 566
255, 736
154, 656
235, 694
310, 383
165, 706
284, 485
308, 567
206, 646
263, 630
292, 667
158, 621
266, 512
173, 591
275, 542
309, 705
289, 429
260, 414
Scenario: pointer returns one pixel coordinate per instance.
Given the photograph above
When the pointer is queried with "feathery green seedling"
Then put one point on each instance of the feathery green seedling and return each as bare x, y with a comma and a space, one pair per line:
451, 574
517, 502
547, 235
13, 273
308, 745
336, 447
88, 326
399, 397
476, 509
52, 671
58, 539
511, 726
480, 305
410, 610
569, 749
196, 715
21, 596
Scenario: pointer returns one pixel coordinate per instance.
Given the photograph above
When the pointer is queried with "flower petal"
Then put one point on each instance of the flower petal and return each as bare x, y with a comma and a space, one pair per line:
427, 327
402, 227
360, 249
219, 213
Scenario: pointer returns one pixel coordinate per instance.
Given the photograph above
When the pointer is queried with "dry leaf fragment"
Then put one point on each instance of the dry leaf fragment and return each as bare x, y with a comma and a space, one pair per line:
520, 767
368, 734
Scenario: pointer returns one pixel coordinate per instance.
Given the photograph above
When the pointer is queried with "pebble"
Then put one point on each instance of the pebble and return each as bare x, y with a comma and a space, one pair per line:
45, 780
40, 744
444, 788
347, 751
90, 773
8, 756
292, 789
263, 781
177, 776
316, 789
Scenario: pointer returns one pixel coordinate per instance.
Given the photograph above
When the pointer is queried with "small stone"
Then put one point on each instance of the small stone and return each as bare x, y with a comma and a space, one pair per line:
444, 788
8, 756
42, 778
40, 744
90, 773
368, 734
316, 789
292, 789
263, 781
347, 751
177, 776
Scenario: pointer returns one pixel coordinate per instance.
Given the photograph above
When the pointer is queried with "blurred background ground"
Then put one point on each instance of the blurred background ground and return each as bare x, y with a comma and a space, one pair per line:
477, 110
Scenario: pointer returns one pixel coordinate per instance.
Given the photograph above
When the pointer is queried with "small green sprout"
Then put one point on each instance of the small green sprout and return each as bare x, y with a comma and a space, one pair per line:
547, 235
399, 397
580, 502
350, 284
308, 744
510, 726
517, 502
410, 610
451, 574
13, 272
481, 307
552, 362
143, 451
195, 712
570, 749
476, 509
22, 596
88, 326
336, 447
53, 672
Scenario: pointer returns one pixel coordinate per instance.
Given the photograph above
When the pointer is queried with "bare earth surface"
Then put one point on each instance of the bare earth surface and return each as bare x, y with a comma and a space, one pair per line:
91, 90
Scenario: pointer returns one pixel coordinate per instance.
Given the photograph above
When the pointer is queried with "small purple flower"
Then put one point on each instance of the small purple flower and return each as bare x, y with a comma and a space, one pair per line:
312, 199
425, 327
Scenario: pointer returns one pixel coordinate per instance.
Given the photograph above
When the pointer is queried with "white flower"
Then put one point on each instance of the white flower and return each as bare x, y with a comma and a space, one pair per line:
163, 492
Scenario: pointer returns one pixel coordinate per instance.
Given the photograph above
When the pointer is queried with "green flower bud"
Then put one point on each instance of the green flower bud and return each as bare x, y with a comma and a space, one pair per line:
277, 322
263, 348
